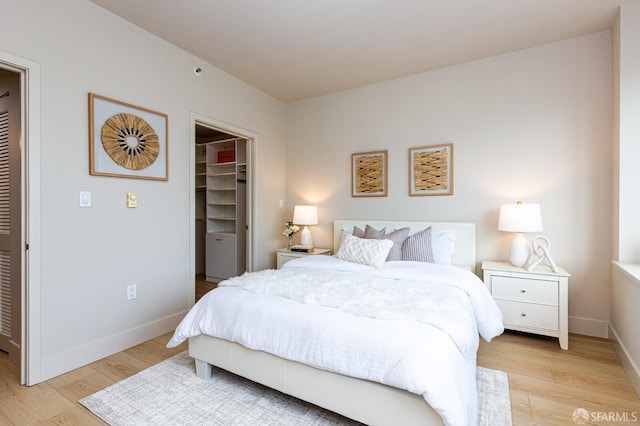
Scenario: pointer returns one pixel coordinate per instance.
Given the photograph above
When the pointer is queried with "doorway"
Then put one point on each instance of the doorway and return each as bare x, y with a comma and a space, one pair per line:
25, 229
222, 219
10, 216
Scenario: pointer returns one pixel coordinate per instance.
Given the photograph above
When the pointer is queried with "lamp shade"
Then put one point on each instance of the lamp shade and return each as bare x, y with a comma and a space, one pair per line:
305, 215
520, 217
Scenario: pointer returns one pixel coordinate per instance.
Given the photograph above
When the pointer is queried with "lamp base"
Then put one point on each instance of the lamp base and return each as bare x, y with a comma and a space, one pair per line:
519, 251
305, 237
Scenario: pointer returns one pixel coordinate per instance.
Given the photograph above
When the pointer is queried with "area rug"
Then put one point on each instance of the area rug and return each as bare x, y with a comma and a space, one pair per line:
170, 393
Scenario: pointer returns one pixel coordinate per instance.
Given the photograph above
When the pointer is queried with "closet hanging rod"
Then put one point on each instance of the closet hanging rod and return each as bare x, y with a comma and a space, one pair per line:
223, 140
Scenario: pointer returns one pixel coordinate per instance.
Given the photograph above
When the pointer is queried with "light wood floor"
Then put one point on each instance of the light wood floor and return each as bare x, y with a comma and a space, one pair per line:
547, 384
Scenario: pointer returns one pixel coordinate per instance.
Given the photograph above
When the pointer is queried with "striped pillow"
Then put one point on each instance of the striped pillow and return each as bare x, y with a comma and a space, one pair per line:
418, 248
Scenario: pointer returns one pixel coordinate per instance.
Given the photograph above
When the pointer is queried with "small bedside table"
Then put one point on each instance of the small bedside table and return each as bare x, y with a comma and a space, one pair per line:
531, 301
284, 255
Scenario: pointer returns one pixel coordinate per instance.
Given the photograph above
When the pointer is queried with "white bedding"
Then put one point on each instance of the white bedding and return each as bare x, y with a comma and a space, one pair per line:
343, 327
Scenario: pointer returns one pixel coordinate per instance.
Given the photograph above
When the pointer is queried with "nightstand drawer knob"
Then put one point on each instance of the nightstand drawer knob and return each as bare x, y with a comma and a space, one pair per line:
523, 314
523, 290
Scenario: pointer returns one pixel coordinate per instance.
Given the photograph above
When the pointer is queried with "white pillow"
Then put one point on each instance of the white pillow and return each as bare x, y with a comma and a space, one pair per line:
364, 251
443, 244
345, 231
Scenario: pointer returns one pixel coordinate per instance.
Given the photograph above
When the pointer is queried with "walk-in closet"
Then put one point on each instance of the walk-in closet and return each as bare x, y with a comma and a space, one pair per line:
221, 170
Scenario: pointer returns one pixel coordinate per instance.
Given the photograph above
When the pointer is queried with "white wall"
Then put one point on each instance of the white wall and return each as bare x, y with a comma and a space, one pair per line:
625, 292
628, 130
90, 255
625, 317
533, 125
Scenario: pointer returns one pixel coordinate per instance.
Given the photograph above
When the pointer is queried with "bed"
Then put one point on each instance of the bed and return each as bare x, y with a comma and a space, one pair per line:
388, 384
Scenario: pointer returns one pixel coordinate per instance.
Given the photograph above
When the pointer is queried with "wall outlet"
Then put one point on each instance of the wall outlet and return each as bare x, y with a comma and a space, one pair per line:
132, 292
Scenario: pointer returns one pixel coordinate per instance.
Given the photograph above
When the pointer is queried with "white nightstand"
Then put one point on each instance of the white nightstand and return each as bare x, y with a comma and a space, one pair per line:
284, 255
531, 301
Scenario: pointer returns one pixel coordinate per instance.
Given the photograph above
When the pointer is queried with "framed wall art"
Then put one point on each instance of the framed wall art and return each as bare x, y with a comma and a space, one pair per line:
369, 174
431, 170
126, 140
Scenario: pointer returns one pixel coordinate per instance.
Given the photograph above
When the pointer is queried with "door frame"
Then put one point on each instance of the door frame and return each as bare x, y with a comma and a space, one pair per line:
251, 137
30, 372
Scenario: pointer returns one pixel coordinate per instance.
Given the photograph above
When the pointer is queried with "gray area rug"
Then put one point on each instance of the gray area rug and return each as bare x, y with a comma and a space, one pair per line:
170, 393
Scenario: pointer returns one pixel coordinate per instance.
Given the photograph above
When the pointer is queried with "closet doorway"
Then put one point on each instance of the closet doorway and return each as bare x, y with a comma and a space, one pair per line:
11, 216
222, 199
20, 212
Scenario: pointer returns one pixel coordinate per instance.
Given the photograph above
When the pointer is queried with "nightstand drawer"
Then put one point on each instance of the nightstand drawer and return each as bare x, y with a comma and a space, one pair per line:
285, 257
529, 315
525, 290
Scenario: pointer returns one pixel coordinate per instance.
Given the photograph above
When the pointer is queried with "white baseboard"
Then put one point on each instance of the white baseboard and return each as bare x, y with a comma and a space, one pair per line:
79, 356
589, 327
630, 367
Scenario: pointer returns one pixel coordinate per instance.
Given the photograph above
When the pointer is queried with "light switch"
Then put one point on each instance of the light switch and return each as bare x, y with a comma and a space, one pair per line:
85, 199
132, 199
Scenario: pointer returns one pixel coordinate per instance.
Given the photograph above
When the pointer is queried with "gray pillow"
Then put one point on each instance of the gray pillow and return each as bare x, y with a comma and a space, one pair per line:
357, 232
398, 236
418, 247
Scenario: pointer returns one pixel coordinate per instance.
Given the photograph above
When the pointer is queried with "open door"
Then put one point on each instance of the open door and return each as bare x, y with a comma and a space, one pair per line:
10, 216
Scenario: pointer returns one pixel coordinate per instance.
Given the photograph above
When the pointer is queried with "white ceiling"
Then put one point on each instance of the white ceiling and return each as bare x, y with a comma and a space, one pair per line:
299, 49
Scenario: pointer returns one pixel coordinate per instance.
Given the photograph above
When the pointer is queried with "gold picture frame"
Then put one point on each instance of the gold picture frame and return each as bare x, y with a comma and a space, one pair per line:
126, 140
431, 170
369, 174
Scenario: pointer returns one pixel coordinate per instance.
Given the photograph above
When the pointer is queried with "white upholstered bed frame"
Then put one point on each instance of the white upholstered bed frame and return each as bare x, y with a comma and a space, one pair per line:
362, 400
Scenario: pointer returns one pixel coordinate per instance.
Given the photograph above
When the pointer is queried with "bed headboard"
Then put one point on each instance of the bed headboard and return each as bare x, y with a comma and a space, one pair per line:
465, 254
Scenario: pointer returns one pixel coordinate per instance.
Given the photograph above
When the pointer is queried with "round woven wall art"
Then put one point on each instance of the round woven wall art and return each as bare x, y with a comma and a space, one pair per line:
130, 141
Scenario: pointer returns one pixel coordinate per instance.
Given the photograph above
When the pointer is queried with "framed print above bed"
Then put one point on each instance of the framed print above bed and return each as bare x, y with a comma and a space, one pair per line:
126, 140
431, 170
369, 174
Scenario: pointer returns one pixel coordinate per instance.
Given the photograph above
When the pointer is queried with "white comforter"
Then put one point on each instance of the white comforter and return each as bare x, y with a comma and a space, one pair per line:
410, 325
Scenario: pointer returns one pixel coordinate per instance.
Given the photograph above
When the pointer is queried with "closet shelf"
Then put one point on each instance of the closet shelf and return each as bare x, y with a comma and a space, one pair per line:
225, 204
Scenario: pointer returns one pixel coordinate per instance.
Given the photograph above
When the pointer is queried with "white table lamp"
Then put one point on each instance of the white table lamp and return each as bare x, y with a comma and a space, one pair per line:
305, 215
520, 218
